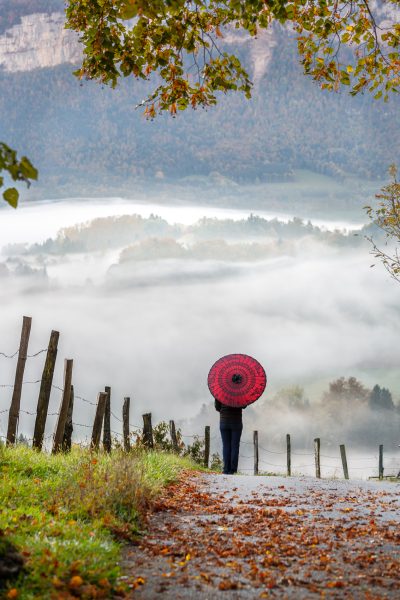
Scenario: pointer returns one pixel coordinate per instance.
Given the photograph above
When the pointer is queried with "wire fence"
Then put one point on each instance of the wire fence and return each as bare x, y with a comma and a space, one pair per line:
14, 354
270, 459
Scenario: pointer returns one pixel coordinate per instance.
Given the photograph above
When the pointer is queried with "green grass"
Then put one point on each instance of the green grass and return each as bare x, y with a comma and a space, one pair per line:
68, 514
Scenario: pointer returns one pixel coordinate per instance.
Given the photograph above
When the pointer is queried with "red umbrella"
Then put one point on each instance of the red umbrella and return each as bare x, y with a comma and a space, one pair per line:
237, 380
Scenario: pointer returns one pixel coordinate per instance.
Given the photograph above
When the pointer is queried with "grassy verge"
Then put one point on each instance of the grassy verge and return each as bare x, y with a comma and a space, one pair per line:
67, 515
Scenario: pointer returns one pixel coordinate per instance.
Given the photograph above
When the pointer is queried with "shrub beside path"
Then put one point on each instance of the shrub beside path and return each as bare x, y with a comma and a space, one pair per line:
215, 536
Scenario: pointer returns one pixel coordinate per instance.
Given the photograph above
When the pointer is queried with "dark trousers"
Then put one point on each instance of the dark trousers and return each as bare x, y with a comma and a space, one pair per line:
230, 433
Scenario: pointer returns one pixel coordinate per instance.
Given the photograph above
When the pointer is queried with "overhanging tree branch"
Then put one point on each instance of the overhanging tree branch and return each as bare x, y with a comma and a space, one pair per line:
338, 44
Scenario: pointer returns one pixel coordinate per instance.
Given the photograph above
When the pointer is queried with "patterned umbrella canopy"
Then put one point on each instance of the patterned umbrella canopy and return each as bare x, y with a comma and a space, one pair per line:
237, 380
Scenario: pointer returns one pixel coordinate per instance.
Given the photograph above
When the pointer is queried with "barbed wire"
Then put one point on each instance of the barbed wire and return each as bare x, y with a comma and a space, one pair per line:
27, 412
271, 451
78, 397
302, 454
84, 400
9, 355
5, 355
115, 417
11, 385
37, 353
261, 460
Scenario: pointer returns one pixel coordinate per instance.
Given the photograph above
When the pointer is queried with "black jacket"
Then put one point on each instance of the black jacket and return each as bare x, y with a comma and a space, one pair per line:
228, 413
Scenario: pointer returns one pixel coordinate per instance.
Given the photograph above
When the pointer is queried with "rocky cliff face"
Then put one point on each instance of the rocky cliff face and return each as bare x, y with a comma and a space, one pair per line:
40, 40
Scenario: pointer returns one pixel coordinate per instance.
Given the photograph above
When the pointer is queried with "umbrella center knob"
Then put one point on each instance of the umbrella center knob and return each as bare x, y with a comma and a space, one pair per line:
236, 378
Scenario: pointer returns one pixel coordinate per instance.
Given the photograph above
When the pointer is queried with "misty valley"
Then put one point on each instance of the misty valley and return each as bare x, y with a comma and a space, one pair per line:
151, 302
199, 296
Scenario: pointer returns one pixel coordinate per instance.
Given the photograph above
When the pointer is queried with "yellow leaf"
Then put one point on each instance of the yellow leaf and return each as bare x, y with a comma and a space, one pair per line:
56, 581
75, 581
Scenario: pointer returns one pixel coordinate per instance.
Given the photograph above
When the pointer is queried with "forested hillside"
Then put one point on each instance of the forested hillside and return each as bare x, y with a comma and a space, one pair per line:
79, 132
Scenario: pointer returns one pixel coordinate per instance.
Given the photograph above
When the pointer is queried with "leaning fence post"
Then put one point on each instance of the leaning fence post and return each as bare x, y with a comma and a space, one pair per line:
206, 446
69, 427
147, 431
317, 453
381, 461
13, 415
255, 444
344, 461
107, 421
98, 420
64, 406
174, 439
288, 455
125, 423
45, 390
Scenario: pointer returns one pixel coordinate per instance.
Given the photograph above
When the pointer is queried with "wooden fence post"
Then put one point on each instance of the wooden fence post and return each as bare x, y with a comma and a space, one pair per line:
255, 444
344, 461
64, 406
147, 431
288, 456
69, 427
381, 461
13, 415
174, 439
107, 421
125, 423
45, 390
98, 420
317, 452
206, 446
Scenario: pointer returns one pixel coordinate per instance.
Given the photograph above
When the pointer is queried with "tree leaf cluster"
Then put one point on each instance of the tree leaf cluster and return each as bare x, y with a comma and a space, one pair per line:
339, 43
18, 169
386, 216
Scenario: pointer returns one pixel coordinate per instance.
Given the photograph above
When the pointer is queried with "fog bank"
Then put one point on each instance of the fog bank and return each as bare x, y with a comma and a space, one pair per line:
310, 314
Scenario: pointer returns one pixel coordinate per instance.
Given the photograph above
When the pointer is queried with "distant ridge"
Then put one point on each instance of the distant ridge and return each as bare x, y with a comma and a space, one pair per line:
81, 134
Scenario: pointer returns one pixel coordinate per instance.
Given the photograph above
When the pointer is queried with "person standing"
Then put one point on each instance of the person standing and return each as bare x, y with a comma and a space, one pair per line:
231, 426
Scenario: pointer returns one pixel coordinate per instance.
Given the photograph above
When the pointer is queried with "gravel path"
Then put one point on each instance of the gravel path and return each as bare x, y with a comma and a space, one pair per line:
216, 536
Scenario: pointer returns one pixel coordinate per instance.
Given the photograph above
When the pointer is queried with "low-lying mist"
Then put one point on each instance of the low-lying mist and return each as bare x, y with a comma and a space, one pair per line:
149, 308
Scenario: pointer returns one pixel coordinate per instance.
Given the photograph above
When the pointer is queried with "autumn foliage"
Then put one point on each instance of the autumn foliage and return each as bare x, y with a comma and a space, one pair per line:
339, 43
279, 540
